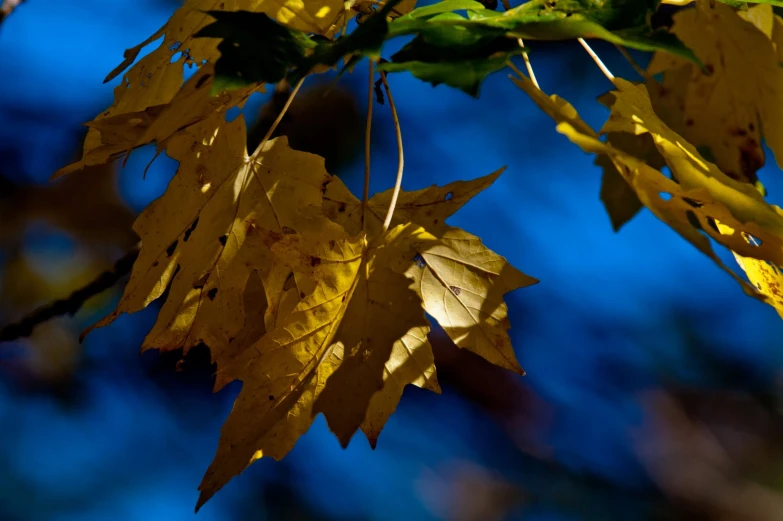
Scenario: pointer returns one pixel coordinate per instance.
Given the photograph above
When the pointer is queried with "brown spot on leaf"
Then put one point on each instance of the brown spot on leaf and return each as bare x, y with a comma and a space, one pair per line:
455, 290
301, 294
288, 231
314, 261
751, 159
689, 122
341, 208
223, 239
737, 132
212, 293
710, 68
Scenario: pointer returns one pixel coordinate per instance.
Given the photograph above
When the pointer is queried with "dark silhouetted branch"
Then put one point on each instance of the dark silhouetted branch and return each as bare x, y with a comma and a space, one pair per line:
72, 304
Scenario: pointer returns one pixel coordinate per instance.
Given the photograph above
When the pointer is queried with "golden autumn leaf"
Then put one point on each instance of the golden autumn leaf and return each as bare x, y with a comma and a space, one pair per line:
311, 317
333, 353
632, 112
479, 329
765, 276
699, 193
357, 333
429, 207
195, 238
728, 107
461, 283
153, 90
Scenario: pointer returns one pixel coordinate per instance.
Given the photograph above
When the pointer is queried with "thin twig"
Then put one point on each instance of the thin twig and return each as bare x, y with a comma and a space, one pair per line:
506, 5
515, 69
367, 136
401, 161
528, 64
597, 60
279, 118
641, 72
71, 304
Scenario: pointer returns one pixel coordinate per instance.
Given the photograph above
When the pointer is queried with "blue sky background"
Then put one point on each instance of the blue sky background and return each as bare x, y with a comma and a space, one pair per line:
602, 326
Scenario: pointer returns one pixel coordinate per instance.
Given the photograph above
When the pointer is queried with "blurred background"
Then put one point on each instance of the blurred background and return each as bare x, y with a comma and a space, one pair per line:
653, 387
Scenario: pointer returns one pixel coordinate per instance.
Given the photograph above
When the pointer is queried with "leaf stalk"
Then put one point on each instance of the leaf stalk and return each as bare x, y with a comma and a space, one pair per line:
400, 155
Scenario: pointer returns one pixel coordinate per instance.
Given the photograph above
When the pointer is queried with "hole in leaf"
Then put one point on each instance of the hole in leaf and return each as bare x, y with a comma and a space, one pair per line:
419, 261
212, 293
190, 230
170, 250
666, 196
753, 240
175, 57
693, 220
449, 196
175, 46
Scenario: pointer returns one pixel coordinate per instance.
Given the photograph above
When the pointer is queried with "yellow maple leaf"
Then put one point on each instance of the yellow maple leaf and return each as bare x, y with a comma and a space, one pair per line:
700, 193
461, 284
726, 107
352, 344
429, 207
479, 329
196, 242
150, 90
766, 277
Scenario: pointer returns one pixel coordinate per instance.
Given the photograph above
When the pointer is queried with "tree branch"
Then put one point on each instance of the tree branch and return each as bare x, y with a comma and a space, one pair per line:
72, 304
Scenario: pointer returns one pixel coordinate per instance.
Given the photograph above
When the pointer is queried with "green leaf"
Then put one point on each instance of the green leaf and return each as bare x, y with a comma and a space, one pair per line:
443, 7
617, 21
254, 49
458, 56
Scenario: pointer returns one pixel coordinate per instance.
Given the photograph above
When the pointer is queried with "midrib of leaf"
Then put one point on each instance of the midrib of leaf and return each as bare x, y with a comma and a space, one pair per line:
460, 261
327, 344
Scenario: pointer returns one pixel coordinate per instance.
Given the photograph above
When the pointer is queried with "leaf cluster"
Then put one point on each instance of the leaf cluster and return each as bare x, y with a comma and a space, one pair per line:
318, 301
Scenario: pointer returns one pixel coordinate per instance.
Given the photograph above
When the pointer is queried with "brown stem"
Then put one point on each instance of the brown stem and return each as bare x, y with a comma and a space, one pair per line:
279, 118
400, 155
367, 135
